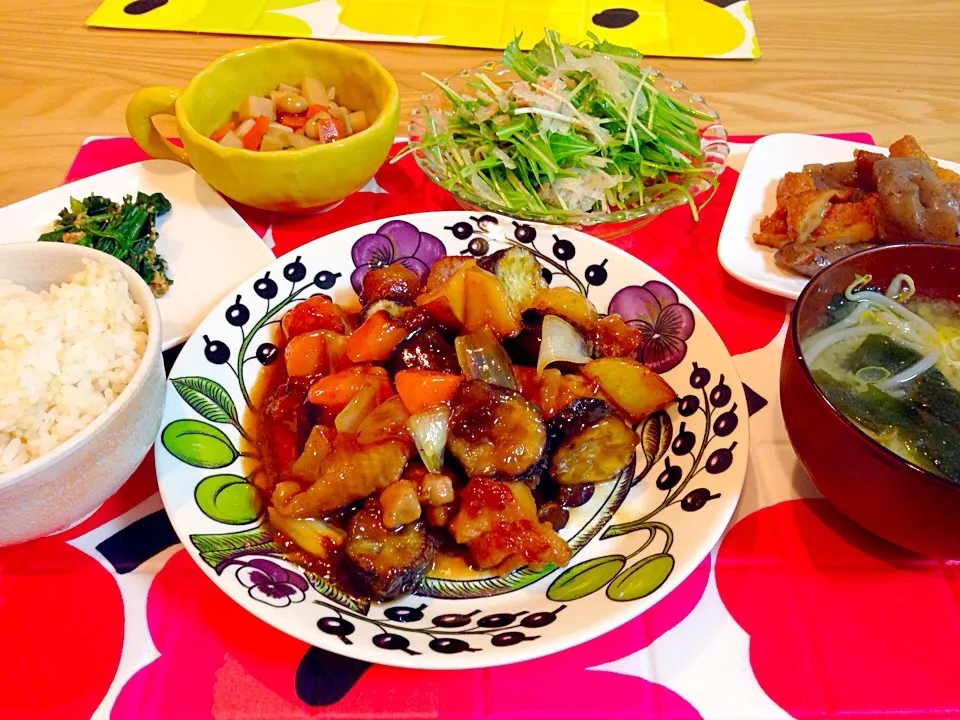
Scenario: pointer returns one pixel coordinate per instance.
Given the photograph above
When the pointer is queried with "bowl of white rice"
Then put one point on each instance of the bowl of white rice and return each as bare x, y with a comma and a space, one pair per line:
81, 383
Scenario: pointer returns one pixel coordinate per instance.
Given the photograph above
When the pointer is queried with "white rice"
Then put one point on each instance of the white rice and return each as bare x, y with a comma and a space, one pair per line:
65, 356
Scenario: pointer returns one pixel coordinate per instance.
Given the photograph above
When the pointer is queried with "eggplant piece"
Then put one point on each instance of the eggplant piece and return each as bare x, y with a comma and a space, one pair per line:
424, 349
385, 564
589, 443
554, 514
518, 271
570, 496
393, 282
524, 349
495, 432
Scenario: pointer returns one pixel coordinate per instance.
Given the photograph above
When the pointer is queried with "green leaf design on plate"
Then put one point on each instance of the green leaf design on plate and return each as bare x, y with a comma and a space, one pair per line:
218, 550
585, 578
332, 592
655, 436
229, 499
198, 443
209, 398
641, 579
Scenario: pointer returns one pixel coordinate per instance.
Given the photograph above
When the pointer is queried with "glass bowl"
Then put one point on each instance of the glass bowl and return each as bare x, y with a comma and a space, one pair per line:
605, 225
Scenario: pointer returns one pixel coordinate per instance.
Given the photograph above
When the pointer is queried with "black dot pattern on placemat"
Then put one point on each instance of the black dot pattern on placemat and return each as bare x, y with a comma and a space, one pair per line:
755, 403
615, 17
138, 542
139, 7
324, 678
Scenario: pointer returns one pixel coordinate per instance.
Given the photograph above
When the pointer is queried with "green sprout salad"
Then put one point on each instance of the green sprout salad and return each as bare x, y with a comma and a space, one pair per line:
583, 130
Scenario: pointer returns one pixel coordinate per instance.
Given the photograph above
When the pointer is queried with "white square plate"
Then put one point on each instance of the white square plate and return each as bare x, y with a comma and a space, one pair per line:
208, 246
755, 196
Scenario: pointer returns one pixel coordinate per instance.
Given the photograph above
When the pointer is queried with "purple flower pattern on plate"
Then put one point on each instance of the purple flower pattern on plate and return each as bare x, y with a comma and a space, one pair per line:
270, 583
395, 242
667, 324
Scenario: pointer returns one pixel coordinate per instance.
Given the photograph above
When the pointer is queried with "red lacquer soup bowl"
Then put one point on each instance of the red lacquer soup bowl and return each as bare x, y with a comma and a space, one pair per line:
874, 486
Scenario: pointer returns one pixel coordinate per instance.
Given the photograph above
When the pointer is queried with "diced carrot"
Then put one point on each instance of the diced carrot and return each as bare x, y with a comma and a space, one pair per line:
375, 338
251, 141
294, 122
314, 353
527, 381
316, 313
218, 134
338, 389
314, 109
423, 389
331, 129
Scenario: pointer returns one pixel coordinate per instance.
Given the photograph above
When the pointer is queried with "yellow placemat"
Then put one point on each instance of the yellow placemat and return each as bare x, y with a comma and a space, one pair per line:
686, 28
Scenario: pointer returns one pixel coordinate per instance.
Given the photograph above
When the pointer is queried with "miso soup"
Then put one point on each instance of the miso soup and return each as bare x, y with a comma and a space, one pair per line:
890, 362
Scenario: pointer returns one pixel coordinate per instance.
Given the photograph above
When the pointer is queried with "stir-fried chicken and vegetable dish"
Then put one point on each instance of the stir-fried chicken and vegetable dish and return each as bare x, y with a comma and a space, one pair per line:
452, 423
826, 212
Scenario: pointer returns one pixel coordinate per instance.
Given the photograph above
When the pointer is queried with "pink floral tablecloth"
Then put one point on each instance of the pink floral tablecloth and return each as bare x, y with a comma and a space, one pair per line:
797, 612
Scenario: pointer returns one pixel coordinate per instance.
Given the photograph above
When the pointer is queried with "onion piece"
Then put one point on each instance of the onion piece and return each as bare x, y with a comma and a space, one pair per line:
360, 405
482, 357
429, 429
315, 536
561, 342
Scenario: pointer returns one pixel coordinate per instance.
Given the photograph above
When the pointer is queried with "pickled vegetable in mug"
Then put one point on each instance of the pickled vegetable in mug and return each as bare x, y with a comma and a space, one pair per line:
290, 118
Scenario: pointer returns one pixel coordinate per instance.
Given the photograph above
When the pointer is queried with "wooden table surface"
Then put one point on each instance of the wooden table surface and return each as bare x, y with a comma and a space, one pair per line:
885, 66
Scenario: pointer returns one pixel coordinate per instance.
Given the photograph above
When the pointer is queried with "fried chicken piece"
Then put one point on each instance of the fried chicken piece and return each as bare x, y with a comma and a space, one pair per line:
848, 222
773, 229
805, 211
794, 183
908, 147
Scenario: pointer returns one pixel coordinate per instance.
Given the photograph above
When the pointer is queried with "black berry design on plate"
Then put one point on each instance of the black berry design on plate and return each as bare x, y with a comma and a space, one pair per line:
461, 230
547, 275
498, 620
721, 394
563, 249
450, 646
478, 247
216, 351
295, 271
267, 353
454, 620
238, 314
487, 222
325, 279
404, 614
540, 619
700, 377
266, 287
727, 422
337, 626
524, 233
596, 275
670, 476
390, 641
720, 460
696, 499
509, 638
684, 441
689, 404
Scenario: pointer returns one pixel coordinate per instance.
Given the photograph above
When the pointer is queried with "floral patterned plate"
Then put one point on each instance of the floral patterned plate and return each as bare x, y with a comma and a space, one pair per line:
636, 540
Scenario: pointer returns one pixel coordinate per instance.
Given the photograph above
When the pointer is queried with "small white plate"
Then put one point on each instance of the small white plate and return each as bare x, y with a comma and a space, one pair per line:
209, 247
755, 196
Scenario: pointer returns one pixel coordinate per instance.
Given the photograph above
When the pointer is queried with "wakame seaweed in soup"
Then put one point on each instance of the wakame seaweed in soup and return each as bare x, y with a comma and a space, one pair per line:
890, 362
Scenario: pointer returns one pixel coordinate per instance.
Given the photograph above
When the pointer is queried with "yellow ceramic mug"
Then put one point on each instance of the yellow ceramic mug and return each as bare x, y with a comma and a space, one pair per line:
282, 180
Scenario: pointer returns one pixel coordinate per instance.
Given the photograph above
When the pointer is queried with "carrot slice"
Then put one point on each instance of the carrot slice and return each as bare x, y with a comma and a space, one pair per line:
375, 338
338, 389
314, 109
423, 389
218, 134
293, 121
251, 141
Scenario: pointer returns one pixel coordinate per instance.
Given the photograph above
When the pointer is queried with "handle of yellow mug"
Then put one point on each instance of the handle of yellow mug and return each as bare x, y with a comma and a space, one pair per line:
141, 109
